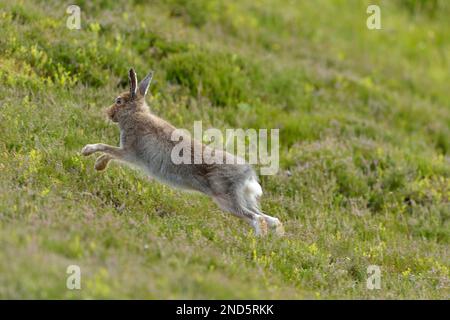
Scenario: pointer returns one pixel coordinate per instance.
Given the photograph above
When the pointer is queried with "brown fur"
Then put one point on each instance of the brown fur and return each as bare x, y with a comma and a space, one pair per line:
145, 142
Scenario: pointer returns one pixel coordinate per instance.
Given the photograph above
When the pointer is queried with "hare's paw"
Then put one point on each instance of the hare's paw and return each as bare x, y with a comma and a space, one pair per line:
275, 225
102, 163
89, 149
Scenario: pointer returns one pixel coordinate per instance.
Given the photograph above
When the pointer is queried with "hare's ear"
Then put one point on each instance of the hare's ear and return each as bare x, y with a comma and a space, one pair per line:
145, 83
133, 83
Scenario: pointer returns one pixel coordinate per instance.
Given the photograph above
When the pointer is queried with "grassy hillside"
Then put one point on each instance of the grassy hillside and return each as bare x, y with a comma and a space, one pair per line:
364, 118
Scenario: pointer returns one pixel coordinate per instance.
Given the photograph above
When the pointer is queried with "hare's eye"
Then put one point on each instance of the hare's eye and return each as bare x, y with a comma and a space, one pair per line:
118, 101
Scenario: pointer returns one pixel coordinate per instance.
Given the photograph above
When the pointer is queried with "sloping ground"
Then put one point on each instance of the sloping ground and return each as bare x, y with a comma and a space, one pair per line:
364, 118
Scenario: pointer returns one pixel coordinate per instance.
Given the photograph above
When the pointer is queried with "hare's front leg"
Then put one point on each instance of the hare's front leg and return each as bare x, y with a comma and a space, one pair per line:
115, 152
110, 153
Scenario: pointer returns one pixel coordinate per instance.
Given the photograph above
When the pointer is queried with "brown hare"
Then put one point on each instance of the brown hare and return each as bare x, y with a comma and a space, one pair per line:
146, 142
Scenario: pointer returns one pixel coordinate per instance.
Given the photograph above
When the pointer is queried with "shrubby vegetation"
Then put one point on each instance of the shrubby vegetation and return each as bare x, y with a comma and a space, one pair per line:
364, 119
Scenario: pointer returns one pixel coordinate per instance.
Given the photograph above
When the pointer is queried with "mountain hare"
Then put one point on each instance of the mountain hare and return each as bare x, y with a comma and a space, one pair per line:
146, 143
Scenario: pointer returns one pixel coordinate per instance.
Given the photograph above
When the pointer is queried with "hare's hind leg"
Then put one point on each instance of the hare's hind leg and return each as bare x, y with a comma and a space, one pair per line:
251, 192
234, 207
258, 222
273, 223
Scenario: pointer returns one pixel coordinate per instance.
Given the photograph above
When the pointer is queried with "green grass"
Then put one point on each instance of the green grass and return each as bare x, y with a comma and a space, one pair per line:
364, 119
